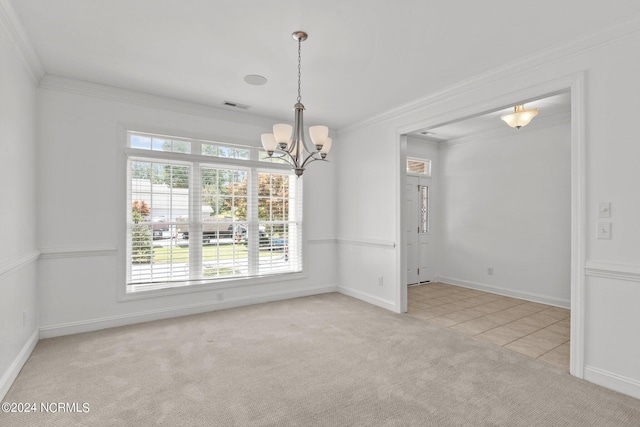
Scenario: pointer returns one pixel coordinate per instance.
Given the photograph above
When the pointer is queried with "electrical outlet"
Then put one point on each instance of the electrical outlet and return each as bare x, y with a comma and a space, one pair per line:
490, 271
380, 281
219, 296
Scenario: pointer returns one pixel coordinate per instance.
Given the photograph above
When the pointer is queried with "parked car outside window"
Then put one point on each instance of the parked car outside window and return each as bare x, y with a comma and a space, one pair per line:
159, 226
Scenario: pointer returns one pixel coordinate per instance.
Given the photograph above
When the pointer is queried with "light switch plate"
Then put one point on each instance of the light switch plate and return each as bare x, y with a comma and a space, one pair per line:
604, 210
604, 230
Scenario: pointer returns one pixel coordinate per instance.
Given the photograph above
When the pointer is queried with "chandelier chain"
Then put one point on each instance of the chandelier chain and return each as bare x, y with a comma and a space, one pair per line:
299, 68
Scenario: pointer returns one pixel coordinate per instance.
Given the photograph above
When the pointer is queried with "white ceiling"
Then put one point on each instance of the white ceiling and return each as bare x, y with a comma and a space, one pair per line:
555, 108
363, 57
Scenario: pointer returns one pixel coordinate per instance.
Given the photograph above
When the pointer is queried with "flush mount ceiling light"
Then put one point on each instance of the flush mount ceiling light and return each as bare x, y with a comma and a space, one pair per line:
287, 142
520, 117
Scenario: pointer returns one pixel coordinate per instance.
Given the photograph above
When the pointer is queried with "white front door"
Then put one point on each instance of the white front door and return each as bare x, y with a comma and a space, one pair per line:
411, 227
417, 220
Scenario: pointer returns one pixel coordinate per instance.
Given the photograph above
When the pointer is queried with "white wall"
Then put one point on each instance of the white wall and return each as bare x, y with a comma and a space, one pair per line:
419, 148
18, 210
370, 187
368, 173
81, 184
506, 203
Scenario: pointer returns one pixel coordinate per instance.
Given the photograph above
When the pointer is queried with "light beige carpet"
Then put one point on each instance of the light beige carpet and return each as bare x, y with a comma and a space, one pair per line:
326, 360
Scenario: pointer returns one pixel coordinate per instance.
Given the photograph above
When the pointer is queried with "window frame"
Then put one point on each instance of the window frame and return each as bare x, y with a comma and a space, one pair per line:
253, 164
426, 162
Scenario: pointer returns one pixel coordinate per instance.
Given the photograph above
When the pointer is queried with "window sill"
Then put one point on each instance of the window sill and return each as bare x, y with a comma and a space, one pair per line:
124, 296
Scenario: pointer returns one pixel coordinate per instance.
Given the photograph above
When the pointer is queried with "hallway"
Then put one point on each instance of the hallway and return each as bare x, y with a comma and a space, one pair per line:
536, 330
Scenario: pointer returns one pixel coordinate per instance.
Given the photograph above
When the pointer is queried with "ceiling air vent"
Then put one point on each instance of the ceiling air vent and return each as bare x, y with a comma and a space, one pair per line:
236, 105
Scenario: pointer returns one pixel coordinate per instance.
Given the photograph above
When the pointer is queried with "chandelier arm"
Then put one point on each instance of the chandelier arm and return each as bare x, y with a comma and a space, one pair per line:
311, 158
282, 156
293, 162
289, 149
306, 148
286, 156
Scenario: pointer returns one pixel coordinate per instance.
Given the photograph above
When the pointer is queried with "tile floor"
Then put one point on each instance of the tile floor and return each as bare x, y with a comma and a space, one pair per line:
535, 330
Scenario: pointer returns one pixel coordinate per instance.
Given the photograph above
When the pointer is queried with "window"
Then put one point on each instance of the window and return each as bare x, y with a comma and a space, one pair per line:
424, 209
203, 211
417, 166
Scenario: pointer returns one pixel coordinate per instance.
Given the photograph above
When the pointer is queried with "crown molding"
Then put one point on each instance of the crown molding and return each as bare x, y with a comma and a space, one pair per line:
15, 30
112, 93
540, 124
530, 62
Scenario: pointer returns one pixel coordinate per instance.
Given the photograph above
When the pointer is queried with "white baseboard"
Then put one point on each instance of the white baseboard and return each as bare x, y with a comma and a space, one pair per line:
613, 381
529, 296
14, 369
371, 299
89, 325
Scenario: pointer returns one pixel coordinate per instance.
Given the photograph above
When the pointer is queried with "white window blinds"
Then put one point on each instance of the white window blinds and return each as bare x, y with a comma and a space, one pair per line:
196, 219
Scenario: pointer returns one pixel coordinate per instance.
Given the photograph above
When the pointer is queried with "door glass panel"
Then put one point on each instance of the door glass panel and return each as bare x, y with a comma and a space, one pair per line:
424, 209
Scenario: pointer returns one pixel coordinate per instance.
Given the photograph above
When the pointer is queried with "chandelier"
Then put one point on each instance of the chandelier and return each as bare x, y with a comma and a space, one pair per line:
520, 117
287, 141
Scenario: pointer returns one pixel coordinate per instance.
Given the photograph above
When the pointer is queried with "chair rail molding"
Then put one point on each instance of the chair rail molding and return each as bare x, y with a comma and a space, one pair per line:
17, 262
77, 252
367, 242
613, 271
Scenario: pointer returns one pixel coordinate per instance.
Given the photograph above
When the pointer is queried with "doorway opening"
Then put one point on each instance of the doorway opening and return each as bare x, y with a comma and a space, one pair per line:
446, 191
420, 250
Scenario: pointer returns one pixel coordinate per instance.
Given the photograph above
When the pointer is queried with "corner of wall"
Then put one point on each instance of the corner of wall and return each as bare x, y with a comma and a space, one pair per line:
9, 376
